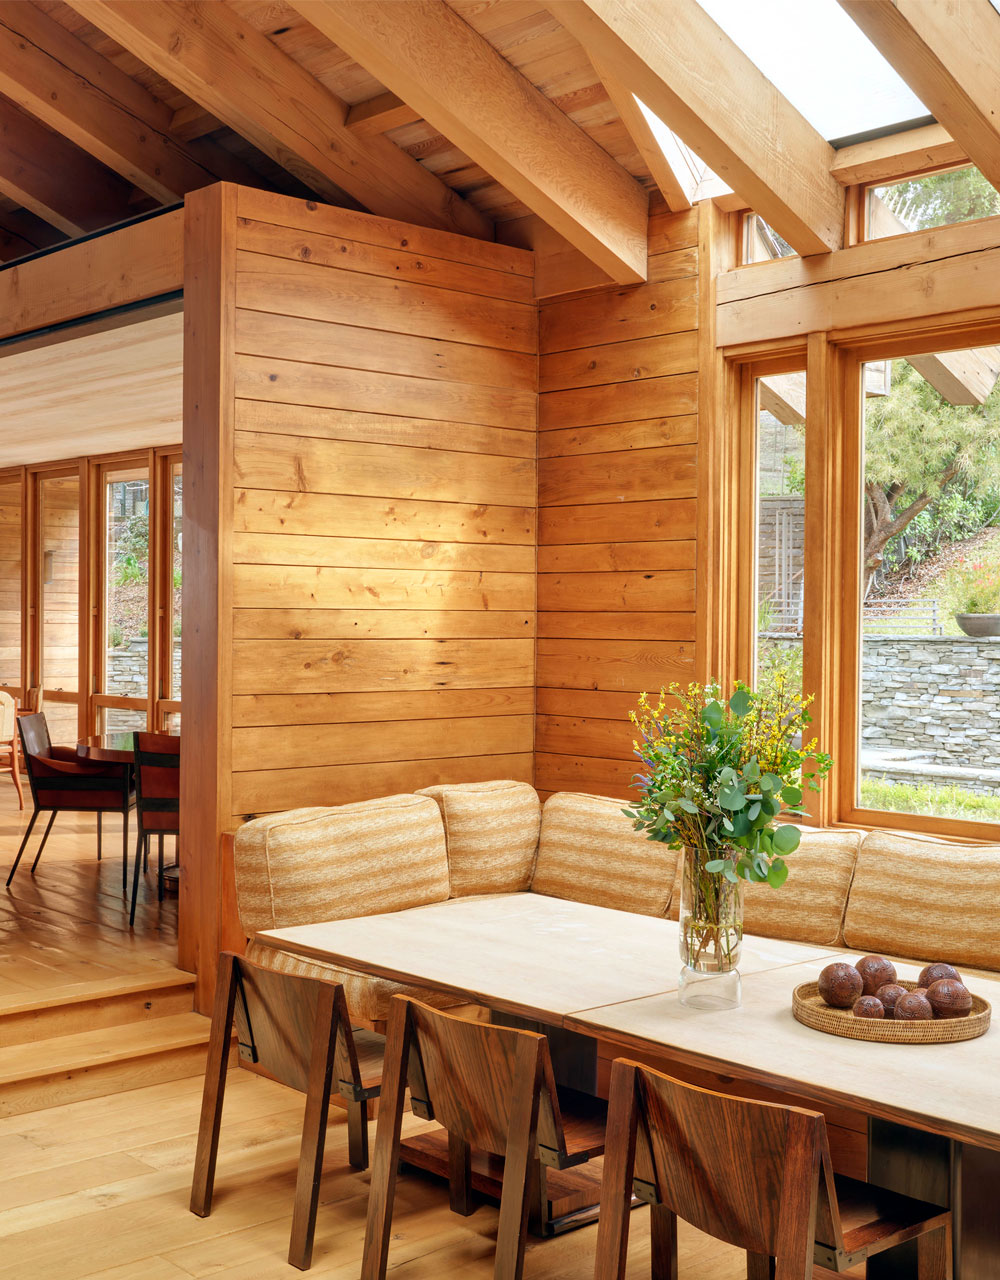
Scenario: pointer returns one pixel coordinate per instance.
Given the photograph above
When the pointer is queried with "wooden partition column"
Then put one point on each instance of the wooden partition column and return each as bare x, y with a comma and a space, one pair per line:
359, 547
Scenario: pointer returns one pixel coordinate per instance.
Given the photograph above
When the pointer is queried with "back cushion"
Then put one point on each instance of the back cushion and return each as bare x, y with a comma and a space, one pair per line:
809, 906
926, 899
329, 864
492, 834
588, 852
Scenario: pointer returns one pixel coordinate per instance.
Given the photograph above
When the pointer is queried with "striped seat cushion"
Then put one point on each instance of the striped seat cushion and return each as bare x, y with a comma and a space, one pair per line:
491, 830
368, 997
923, 898
809, 906
309, 865
588, 852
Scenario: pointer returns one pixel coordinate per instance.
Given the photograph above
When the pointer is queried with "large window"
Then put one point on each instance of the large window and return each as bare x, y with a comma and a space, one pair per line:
58, 570
929, 200
123, 700
11, 529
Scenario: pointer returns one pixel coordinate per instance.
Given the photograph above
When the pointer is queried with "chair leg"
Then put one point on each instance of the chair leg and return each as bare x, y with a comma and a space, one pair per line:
125, 843
662, 1242
138, 858
518, 1175
616, 1185
313, 1131
45, 836
159, 872
145, 854
135, 892
459, 1175
27, 837
759, 1266
100, 832
386, 1159
15, 772
215, 1087
357, 1134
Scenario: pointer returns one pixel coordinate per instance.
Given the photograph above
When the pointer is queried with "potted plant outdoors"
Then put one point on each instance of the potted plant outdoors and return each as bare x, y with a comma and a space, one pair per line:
717, 775
974, 590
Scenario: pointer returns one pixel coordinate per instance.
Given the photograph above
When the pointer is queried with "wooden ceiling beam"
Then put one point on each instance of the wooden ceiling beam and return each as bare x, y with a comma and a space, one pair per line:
946, 53
54, 180
380, 114
235, 72
702, 85
24, 226
82, 95
897, 155
454, 78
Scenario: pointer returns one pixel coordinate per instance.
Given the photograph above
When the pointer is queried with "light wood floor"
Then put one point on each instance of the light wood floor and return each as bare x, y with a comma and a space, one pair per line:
68, 923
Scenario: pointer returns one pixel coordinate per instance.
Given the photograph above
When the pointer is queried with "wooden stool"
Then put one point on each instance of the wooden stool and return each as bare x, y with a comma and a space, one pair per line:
299, 1031
754, 1174
491, 1088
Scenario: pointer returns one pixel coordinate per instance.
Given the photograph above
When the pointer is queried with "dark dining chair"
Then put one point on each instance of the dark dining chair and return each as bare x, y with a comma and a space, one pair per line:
493, 1090
757, 1175
61, 782
157, 800
298, 1030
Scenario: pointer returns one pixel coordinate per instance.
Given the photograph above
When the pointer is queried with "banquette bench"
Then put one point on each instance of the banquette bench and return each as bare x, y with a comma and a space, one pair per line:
901, 895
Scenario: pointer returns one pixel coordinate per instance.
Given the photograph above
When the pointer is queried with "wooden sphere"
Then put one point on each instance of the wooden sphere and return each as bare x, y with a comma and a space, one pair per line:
889, 994
868, 1007
913, 1007
840, 985
934, 972
876, 971
949, 998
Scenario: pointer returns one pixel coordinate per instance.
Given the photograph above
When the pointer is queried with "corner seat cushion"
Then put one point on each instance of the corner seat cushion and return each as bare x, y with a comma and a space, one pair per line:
926, 899
308, 865
491, 829
809, 906
588, 852
368, 997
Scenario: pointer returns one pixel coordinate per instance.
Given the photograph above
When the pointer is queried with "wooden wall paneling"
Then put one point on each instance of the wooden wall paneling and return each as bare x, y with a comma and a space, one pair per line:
206, 762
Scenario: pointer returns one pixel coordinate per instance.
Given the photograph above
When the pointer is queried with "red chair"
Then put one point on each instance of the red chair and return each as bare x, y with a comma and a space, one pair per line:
157, 800
62, 783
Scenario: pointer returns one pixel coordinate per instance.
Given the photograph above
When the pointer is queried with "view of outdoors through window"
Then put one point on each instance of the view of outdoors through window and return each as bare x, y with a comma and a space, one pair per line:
930, 686
934, 200
126, 671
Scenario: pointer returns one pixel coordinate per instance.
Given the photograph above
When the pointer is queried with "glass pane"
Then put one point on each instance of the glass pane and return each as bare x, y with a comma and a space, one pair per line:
780, 572
126, 599
172, 722
934, 200
177, 497
930, 680
762, 243
122, 720
10, 586
59, 521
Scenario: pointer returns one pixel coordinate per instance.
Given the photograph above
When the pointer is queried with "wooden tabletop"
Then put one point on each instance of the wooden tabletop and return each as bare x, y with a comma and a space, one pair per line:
614, 975
117, 748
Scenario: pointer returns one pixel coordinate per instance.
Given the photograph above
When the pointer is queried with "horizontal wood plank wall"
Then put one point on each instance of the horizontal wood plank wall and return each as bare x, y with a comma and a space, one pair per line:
618, 440
384, 529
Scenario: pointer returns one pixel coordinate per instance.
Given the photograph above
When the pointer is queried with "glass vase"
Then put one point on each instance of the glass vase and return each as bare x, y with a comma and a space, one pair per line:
711, 932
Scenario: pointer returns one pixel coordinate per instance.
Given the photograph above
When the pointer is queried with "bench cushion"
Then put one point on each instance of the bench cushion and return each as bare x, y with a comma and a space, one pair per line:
809, 906
331, 864
926, 899
588, 852
491, 830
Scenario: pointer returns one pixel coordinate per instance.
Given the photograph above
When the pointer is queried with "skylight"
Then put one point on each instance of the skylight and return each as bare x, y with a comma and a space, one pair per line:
821, 61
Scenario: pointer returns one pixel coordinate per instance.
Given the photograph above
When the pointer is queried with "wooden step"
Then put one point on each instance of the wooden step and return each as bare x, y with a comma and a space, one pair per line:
87, 1006
90, 1064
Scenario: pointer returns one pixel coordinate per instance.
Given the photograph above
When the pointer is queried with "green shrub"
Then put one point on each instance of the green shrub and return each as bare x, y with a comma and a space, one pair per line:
938, 801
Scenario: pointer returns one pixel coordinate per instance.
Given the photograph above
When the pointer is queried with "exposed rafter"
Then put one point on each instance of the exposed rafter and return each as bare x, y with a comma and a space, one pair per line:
380, 114
208, 52
60, 184
701, 84
947, 54
896, 155
460, 84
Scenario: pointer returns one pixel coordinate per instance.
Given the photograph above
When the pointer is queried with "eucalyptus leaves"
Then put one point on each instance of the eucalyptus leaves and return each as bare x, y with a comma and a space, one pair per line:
717, 774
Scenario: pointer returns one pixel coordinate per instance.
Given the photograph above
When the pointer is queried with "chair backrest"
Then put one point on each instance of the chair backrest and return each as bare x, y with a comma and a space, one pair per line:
469, 1075
742, 1171
276, 1014
34, 736
157, 781
8, 715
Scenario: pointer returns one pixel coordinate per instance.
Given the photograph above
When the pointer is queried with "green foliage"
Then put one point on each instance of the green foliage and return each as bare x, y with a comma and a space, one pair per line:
718, 774
927, 798
973, 587
795, 474
129, 569
955, 516
939, 199
115, 637
177, 579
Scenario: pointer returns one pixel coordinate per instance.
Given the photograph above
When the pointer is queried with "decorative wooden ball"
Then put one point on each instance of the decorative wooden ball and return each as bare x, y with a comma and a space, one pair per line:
868, 1007
949, 998
913, 1007
840, 985
935, 972
889, 994
876, 971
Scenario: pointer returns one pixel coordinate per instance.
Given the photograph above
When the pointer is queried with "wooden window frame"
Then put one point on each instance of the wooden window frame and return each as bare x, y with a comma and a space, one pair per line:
858, 197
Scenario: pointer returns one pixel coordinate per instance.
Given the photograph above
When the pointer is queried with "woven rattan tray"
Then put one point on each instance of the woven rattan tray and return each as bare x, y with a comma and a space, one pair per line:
810, 1009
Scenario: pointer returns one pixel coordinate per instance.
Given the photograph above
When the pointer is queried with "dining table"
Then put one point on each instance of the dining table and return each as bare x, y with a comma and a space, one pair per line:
592, 976
108, 748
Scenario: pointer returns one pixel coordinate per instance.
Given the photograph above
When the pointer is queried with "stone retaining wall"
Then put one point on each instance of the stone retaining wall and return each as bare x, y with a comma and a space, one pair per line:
127, 667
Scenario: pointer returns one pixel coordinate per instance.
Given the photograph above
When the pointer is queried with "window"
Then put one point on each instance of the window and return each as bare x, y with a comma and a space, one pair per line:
761, 243
930, 200
124, 679
58, 570
171, 682
11, 520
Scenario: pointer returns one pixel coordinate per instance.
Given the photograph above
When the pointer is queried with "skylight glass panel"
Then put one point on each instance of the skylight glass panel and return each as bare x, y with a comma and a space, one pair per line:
821, 61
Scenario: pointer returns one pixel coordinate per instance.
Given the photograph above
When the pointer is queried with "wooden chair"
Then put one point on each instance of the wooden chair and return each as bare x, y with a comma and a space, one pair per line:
61, 782
8, 743
299, 1031
157, 800
491, 1088
754, 1174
